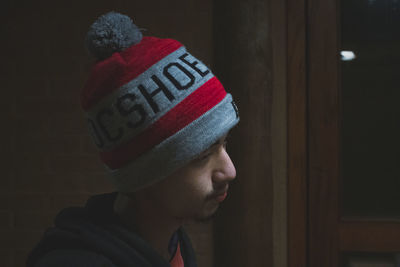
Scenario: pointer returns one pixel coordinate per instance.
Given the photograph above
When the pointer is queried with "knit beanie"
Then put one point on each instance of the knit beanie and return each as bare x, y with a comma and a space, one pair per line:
151, 107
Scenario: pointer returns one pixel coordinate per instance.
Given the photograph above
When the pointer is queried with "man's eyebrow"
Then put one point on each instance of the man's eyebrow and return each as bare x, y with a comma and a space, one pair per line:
219, 141
216, 143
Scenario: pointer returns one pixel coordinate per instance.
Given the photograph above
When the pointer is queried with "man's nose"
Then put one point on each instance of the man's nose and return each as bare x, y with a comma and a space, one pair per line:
224, 169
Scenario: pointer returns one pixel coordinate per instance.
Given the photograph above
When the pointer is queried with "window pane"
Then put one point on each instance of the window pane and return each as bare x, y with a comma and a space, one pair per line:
370, 101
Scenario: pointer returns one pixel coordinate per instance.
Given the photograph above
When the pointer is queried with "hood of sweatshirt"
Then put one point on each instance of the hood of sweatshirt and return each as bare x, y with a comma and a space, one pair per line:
96, 228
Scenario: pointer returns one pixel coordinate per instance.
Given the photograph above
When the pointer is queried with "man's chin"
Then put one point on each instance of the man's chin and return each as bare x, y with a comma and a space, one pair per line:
205, 218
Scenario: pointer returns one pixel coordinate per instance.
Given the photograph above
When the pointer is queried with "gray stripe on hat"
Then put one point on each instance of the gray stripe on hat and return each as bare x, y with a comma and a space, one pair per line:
115, 125
177, 150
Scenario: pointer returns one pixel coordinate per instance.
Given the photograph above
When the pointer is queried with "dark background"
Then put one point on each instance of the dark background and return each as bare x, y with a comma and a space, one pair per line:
48, 161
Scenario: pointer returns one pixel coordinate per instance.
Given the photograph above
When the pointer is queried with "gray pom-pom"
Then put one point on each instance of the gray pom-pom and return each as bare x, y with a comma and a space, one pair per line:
110, 33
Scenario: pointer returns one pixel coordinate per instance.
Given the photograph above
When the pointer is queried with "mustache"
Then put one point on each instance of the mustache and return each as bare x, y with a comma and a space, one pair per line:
218, 190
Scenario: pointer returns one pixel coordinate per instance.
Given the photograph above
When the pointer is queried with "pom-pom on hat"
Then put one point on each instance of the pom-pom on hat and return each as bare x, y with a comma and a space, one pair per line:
112, 32
151, 107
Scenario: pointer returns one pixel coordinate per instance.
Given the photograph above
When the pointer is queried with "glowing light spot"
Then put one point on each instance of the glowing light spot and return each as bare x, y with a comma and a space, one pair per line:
347, 55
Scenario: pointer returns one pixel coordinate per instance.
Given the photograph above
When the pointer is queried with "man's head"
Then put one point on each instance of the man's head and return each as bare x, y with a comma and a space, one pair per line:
152, 108
194, 191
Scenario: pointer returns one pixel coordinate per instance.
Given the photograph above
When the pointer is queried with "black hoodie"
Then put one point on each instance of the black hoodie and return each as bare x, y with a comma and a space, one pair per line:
94, 236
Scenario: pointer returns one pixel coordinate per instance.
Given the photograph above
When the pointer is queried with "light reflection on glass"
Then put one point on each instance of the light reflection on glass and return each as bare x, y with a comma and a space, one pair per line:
347, 55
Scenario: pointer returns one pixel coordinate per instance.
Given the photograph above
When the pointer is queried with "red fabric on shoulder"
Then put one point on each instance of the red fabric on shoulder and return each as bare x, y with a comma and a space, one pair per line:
177, 260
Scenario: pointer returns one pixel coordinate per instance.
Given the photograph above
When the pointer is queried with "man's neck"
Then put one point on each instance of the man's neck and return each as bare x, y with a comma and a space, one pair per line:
154, 225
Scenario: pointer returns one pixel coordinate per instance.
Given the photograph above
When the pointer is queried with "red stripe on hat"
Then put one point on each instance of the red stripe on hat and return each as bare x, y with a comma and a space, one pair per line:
110, 74
188, 110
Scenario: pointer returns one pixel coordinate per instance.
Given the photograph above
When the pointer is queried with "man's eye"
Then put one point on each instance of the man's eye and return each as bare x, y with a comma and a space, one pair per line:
205, 156
224, 144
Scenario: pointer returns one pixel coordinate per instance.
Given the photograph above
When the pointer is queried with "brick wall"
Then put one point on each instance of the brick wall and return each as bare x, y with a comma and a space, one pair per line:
48, 160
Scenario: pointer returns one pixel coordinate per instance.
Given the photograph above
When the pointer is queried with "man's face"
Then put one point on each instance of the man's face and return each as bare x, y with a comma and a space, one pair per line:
195, 191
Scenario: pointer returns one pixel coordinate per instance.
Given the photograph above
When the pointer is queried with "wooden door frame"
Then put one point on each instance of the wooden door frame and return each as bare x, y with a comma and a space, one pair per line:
313, 129
323, 83
317, 235
297, 133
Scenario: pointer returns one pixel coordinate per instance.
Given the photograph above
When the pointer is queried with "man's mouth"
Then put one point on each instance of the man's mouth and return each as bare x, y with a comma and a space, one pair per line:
221, 197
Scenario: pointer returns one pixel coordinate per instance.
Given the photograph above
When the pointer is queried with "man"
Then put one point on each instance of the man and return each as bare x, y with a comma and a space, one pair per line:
160, 119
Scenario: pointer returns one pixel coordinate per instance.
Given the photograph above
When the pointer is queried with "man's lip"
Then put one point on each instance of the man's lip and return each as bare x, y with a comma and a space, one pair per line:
223, 191
221, 197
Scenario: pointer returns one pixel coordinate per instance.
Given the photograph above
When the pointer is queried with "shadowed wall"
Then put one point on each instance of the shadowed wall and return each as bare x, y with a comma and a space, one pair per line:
48, 159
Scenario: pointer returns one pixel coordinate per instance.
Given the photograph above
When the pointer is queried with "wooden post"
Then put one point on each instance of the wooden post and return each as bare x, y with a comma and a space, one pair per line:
247, 61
